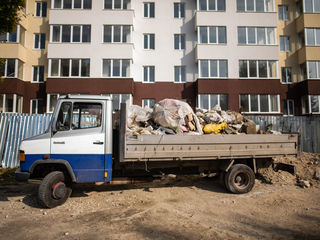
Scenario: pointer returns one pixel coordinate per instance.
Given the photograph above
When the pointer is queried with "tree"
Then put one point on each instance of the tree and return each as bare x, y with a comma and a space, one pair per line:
9, 18
9, 14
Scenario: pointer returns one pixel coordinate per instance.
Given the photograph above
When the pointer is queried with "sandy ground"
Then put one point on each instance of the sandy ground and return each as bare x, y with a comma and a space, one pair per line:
182, 208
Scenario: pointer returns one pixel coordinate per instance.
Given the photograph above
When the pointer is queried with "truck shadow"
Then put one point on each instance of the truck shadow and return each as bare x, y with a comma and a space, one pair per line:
27, 192
208, 184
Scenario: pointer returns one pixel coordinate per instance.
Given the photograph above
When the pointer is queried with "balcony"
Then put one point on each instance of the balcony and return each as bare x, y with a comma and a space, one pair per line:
211, 51
307, 20
207, 18
121, 17
13, 50
309, 53
89, 50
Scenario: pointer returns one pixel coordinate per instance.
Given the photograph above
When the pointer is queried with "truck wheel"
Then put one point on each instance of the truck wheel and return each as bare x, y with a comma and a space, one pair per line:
239, 179
53, 191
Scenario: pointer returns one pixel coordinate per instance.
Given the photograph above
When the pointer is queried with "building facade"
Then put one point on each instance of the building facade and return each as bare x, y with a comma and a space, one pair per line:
253, 56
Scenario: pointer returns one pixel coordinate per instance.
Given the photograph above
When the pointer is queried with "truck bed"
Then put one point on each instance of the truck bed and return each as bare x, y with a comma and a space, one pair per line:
202, 147
178, 147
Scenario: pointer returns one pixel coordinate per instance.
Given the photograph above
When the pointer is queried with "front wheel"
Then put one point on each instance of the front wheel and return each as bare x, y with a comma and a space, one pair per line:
53, 190
239, 179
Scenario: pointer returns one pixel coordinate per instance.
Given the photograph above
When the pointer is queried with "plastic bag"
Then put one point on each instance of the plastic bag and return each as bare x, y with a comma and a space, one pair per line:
137, 114
171, 113
213, 117
214, 128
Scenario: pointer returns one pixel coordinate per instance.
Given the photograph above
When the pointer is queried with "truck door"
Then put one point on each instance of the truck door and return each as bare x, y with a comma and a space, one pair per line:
78, 138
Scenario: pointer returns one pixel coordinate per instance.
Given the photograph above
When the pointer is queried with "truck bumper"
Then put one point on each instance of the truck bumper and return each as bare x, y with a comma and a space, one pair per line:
21, 176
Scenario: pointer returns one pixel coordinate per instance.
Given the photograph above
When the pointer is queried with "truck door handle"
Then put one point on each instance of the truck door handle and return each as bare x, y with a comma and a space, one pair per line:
58, 142
98, 142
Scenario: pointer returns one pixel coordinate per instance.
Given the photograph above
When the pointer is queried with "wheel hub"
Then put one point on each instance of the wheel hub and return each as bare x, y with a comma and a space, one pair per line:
58, 190
241, 180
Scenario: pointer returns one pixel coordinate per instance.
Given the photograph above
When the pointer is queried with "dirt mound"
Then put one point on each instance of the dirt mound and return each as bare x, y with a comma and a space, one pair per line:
307, 167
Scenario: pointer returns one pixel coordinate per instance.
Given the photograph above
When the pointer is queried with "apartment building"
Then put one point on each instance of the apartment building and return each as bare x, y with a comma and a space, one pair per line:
24, 52
256, 56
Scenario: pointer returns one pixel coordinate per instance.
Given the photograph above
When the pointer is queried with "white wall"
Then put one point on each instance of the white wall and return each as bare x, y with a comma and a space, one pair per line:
232, 51
164, 26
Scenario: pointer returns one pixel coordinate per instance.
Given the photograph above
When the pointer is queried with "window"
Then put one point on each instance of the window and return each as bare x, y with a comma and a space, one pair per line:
117, 99
257, 103
213, 68
116, 33
179, 74
148, 41
148, 10
148, 74
312, 36
209, 101
70, 33
10, 68
283, 12
286, 75
212, 35
69, 67
72, 4
41, 9
38, 74
148, 103
39, 41
179, 41
258, 69
314, 103
9, 37
211, 5
36, 106
64, 117
311, 6
86, 115
285, 44
255, 5
11, 103
179, 10
256, 35
310, 70
51, 102
116, 68
116, 4
288, 107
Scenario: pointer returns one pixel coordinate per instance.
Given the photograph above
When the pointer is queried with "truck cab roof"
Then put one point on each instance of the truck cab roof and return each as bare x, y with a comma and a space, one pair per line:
85, 96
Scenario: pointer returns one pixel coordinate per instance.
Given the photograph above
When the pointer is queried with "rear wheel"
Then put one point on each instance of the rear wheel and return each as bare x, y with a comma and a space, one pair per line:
239, 179
53, 190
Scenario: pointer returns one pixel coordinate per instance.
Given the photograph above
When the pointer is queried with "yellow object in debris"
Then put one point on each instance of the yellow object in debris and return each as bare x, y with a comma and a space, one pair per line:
214, 128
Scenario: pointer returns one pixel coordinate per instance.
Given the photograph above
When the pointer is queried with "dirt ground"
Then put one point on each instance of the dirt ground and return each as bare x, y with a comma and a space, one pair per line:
181, 208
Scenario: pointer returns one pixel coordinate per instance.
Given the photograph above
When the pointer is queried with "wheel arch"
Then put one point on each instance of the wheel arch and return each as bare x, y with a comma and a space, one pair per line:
52, 165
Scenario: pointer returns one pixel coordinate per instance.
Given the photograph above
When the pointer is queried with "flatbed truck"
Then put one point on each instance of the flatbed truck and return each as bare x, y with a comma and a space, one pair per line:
82, 146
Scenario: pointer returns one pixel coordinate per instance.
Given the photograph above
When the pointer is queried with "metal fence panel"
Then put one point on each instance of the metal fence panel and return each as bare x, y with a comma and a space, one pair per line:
16, 127
307, 127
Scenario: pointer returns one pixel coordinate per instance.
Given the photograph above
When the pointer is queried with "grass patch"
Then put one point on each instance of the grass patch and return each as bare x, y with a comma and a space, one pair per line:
7, 176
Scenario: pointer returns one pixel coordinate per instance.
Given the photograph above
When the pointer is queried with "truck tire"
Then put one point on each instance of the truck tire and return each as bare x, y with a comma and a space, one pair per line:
239, 179
53, 190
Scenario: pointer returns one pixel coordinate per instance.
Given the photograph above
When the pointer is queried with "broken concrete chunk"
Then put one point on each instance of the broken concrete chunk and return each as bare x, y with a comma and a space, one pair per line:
249, 127
304, 184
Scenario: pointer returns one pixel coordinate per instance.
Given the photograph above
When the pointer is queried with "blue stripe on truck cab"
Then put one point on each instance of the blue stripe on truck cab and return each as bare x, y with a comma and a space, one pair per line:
86, 167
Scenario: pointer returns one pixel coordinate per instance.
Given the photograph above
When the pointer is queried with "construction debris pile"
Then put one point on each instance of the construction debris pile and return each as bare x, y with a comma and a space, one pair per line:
171, 116
306, 170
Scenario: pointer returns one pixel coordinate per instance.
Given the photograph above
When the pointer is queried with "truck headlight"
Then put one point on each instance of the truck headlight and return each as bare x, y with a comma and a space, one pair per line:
22, 157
